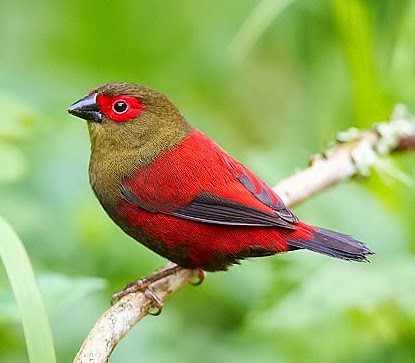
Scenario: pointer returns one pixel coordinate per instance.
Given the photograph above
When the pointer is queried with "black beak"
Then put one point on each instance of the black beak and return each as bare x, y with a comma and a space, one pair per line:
86, 108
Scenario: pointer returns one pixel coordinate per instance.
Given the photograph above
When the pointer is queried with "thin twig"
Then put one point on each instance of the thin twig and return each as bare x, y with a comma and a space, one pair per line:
355, 156
128, 311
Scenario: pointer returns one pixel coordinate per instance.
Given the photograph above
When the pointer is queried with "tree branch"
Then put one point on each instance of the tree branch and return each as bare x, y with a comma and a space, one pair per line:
355, 153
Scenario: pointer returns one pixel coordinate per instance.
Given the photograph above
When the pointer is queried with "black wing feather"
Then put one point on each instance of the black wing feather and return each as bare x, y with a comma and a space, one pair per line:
208, 208
211, 209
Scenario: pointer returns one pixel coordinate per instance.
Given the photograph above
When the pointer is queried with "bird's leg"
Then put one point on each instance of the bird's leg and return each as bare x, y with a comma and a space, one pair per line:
143, 285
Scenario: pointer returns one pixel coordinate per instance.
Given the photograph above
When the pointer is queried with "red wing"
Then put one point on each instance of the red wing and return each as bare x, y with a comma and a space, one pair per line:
209, 208
217, 189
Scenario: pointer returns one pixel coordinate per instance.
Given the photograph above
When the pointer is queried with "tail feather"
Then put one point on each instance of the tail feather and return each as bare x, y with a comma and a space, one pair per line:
333, 244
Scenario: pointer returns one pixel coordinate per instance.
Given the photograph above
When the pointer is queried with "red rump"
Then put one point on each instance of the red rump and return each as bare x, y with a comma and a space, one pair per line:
132, 107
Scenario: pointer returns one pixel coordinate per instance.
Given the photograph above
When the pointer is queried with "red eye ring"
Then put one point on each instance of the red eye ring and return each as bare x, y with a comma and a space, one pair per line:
120, 106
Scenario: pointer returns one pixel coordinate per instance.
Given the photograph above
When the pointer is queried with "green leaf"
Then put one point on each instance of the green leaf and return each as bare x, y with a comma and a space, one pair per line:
39, 341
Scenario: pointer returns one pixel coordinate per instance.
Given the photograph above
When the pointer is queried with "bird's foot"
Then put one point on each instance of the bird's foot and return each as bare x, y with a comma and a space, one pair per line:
143, 285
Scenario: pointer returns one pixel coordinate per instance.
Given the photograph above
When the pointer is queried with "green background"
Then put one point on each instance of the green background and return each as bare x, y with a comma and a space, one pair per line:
272, 82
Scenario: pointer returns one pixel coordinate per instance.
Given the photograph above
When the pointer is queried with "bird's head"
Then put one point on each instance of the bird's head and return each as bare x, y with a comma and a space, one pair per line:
127, 116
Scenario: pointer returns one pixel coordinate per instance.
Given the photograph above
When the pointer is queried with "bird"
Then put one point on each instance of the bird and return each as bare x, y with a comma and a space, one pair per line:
173, 189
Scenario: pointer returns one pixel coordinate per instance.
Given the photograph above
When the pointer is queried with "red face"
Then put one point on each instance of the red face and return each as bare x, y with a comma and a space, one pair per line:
120, 108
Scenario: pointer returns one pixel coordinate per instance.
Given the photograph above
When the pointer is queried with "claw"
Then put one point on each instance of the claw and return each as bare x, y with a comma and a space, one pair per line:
158, 304
200, 278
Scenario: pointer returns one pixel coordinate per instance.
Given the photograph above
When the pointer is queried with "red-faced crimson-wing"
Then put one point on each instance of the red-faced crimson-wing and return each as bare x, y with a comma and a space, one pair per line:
176, 191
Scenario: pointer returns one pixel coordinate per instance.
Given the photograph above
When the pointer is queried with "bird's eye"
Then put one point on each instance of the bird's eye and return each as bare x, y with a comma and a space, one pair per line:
120, 106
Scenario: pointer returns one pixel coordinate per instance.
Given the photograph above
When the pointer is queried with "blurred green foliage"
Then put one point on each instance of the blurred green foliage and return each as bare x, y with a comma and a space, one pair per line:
270, 90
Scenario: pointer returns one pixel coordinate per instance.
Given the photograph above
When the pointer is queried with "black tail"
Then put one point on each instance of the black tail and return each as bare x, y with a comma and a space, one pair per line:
334, 244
